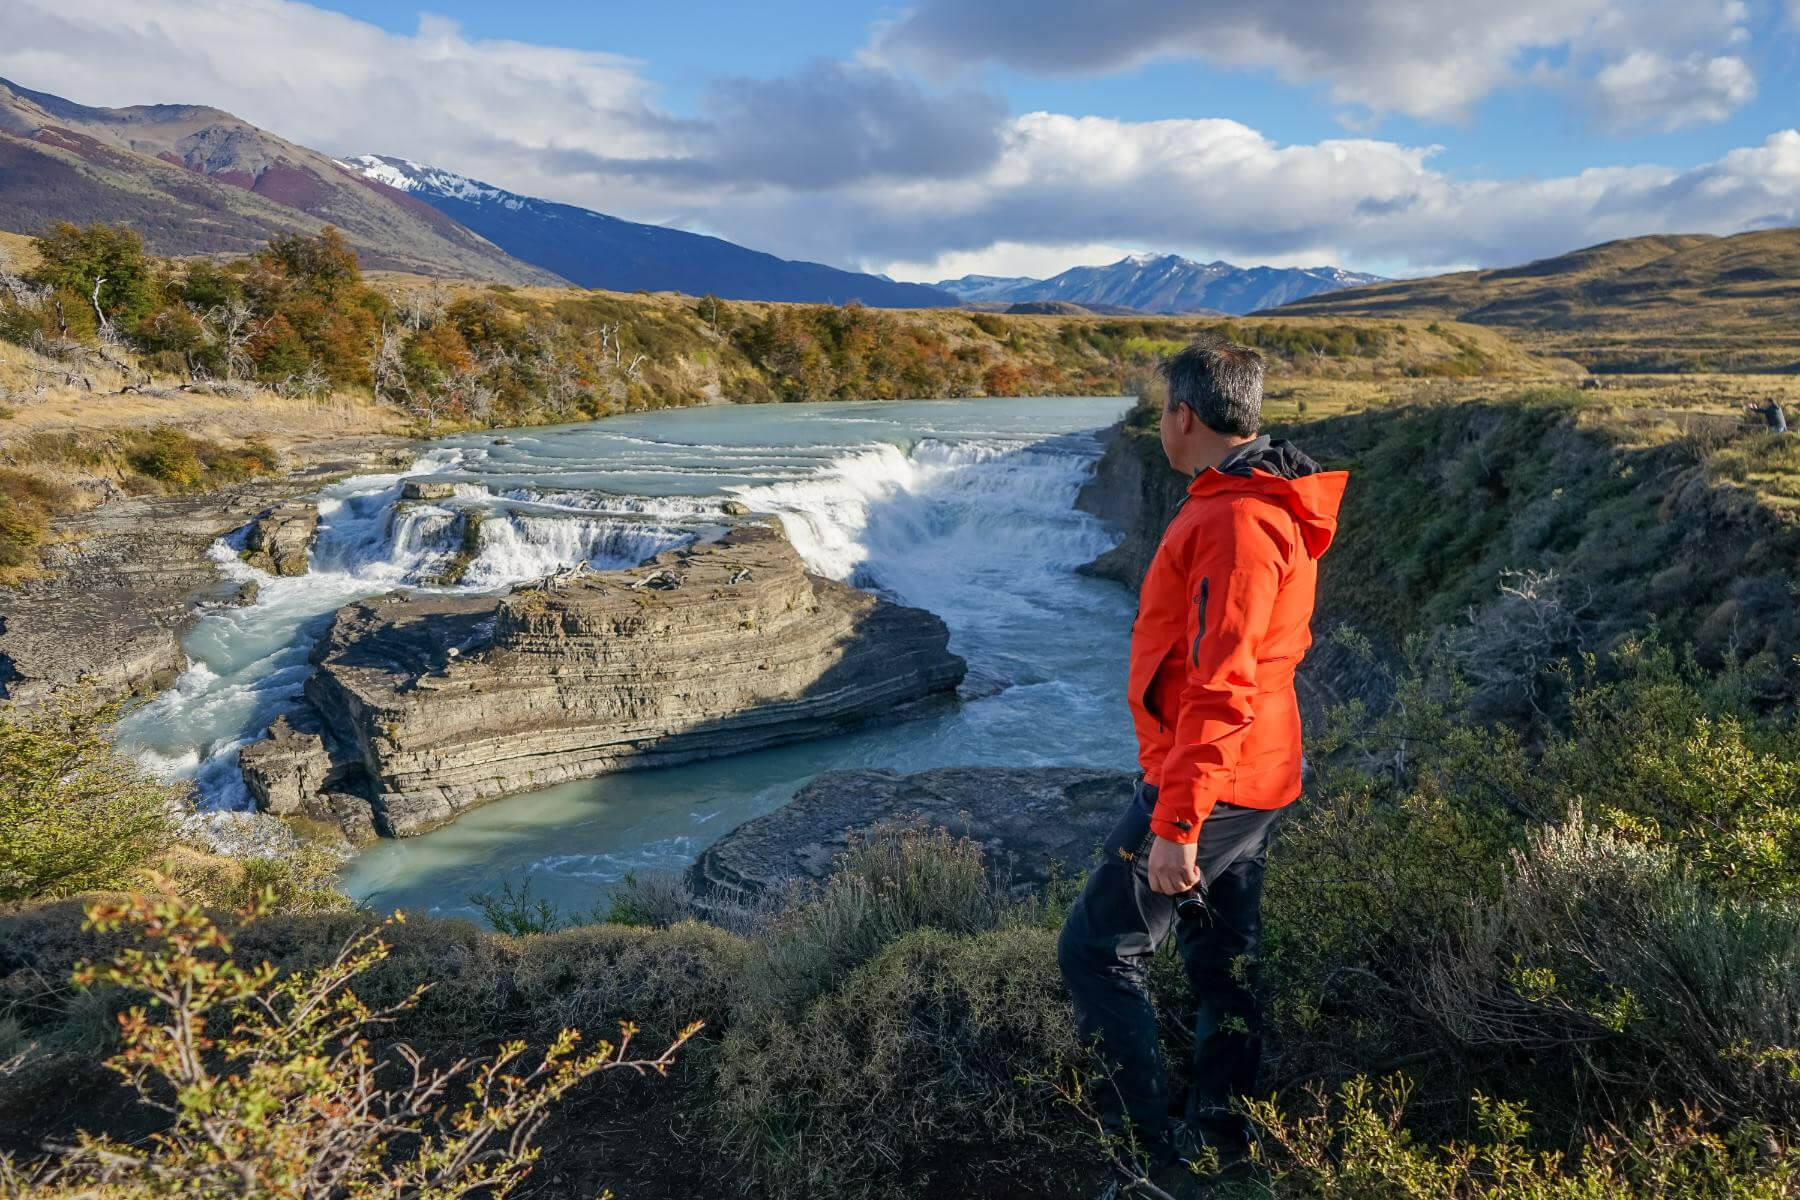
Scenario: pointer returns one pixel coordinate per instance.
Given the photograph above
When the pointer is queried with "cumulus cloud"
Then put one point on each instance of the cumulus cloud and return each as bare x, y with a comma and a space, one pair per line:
1648, 90
856, 163
1408, 56
1222, 186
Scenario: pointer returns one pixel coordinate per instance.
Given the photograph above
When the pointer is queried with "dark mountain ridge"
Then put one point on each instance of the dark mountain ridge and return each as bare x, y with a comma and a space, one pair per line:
595, 250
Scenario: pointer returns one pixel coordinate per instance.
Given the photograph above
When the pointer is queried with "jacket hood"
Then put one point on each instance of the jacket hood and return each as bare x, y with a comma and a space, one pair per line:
1278, 470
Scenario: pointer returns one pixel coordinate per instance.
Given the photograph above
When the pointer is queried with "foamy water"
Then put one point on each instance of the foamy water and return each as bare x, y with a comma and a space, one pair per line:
961, 507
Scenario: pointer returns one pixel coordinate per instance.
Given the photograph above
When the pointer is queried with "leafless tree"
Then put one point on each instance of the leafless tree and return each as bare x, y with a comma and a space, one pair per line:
308, 384
1508, 644
389, 366
420, 307
233, 326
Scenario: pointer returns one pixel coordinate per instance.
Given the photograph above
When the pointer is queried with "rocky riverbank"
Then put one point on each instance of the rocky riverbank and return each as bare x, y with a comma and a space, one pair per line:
425, 706
1027, 819
124, 578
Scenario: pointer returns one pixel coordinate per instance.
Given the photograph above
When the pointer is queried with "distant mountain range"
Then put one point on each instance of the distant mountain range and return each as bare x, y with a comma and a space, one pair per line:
1163, 283
196, 180
594, 250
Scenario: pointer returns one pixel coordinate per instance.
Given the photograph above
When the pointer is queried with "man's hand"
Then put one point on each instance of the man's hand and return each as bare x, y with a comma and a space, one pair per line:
1172, 867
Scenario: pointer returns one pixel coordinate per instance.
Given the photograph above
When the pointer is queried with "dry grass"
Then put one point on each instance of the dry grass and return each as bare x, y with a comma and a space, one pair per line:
43, 401
1641, 304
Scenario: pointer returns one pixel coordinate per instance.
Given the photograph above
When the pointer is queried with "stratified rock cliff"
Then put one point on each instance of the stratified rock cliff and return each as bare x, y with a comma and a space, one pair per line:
1135, 490
1027, 819
442, 703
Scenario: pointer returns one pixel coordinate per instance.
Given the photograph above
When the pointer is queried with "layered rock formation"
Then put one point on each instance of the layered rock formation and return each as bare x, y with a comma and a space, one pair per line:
429, 705
1027, 819
280, 540
1133, 490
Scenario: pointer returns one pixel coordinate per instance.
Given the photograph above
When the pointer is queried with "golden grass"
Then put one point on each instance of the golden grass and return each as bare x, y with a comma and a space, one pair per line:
42, 401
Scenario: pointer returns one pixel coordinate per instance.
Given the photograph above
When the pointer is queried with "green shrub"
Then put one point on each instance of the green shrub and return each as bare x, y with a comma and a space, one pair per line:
1654, 754
1358, 1147
1607, 949
513, 910
892, 881
74, 815
22, 529
595, 976
271, 1086
916, 1059
468, 968
169, 456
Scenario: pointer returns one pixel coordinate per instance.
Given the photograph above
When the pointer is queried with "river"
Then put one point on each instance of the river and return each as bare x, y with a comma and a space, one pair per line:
963, 507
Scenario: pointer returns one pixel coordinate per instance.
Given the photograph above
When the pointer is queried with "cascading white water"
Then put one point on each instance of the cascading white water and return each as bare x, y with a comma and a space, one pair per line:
963, 508
247, 665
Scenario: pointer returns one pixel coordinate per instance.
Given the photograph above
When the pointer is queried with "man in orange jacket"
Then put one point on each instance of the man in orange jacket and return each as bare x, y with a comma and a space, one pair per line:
1223, 619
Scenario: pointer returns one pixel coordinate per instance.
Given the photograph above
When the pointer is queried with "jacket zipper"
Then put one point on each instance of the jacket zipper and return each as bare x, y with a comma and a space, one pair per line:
1200, 607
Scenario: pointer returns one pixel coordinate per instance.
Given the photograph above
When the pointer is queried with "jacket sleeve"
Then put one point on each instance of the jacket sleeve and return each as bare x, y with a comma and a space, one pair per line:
1232, 580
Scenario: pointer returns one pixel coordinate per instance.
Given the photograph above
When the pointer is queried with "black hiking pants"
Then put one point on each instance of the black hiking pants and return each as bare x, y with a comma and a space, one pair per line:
1105, 950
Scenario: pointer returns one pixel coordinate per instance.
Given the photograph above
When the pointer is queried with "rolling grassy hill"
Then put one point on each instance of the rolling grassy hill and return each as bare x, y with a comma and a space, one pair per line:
1649, 304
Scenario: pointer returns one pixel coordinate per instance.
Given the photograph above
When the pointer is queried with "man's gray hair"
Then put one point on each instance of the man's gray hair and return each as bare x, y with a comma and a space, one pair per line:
1221, 381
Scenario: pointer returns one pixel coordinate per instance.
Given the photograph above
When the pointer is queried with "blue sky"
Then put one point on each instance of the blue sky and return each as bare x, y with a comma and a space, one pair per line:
939, 136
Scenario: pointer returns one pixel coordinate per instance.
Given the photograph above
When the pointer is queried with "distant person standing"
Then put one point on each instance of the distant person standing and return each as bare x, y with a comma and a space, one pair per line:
1223, 619
1774, 419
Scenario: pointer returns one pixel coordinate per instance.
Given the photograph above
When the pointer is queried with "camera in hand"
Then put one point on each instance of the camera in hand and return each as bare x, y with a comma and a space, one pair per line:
1190, 905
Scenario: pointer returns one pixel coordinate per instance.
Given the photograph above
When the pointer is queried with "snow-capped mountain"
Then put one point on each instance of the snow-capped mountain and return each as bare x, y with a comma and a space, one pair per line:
986, 287
595, 250
1165, 283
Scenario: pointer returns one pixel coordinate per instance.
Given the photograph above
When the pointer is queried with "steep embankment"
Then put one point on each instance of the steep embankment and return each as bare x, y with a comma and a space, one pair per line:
1528, 526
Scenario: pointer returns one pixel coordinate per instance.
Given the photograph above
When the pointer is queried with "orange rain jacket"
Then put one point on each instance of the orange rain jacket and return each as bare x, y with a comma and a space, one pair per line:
1224, 617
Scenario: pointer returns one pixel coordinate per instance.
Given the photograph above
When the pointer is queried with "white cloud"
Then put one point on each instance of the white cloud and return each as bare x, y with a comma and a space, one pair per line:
1222, 185
1417, 57
1648, 90
1005, 258
539, 119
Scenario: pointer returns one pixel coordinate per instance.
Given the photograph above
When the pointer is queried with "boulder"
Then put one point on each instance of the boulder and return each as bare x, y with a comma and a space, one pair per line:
427, 489
284, 771
443, 702
1027, 819
280, 540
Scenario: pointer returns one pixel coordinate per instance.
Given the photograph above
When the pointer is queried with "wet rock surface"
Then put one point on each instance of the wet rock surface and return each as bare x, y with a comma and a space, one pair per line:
1027, 819
126, 577
1135, 491
429, 705
280, 540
